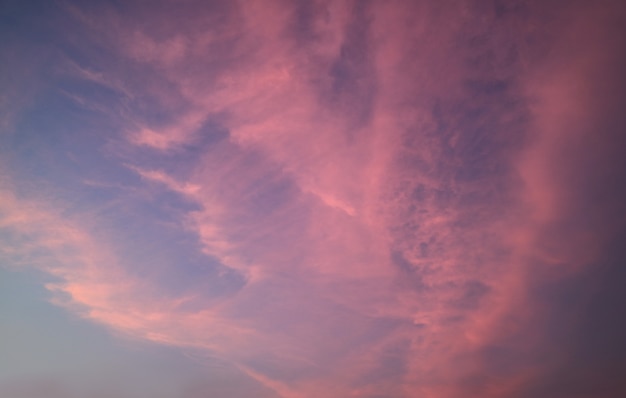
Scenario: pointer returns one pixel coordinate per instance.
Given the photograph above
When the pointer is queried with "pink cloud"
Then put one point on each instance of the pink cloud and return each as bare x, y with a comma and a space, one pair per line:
385, 232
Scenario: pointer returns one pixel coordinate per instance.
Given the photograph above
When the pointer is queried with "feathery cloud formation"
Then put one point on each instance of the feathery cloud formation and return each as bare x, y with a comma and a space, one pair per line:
339, 198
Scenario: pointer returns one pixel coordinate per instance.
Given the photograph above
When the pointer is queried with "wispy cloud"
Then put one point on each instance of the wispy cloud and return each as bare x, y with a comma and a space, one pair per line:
351, 198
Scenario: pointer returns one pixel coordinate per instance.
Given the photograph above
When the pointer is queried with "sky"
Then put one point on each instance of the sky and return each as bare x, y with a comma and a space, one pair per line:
312, 199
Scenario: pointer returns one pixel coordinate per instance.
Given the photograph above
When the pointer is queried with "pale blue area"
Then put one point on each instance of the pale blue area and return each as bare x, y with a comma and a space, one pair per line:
46, 352
62, 143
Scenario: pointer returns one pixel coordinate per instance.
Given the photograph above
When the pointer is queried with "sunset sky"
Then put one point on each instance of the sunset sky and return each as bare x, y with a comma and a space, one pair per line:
312, 199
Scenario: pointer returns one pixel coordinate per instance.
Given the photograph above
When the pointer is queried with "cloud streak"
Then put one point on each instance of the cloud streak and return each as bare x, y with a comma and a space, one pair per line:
339, 198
